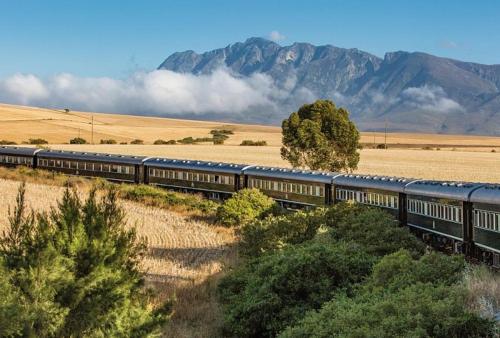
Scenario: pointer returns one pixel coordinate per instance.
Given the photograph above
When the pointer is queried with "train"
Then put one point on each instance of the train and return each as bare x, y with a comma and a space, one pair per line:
461, 217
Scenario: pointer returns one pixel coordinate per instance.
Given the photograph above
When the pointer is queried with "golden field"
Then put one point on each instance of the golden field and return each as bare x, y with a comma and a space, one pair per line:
185, 255
463, 158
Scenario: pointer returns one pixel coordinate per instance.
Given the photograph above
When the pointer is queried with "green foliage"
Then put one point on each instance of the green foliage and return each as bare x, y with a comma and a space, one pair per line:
137, 141
5, 142
275, 233
108, 141
218, 141
381, 146
75, 272
243, 207
275, 290
402, 298
162, 198
253, 143
187, 140
78, 140
159, 142
320, 136
221, 132
38, 141
372, 228
421, 310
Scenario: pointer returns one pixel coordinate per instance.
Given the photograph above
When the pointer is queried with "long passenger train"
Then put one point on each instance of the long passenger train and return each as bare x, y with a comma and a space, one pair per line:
455, 216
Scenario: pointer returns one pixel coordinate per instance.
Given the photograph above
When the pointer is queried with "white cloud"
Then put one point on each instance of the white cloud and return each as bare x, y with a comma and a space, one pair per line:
430, 98
160, 92
276, 36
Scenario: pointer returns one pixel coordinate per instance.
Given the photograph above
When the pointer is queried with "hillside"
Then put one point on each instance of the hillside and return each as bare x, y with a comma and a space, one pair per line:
412, 91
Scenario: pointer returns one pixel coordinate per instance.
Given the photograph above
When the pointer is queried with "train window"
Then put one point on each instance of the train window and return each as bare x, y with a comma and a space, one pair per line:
488, 220
435, 210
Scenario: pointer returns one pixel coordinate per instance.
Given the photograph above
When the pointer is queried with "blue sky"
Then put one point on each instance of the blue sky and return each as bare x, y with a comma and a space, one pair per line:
117, 38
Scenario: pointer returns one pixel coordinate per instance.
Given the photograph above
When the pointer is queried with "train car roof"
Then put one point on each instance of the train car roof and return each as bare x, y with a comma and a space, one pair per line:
220, 167
439, 189
489, 194
21, 151
90, 156
388, 183
291, 174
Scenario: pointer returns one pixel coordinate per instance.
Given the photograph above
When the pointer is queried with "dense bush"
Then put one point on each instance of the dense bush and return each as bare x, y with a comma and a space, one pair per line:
38, 141
108, 141
221, 132
275, 233
187, 140
218, 141
75, 272
159, 142
402, 298
275, 290
373, 228
78, 140
381, 146
5, 142
253, 143
137, 141
243, 207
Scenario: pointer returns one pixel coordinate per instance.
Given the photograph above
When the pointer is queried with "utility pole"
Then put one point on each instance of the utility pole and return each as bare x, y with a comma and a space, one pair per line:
385, 136
92, 137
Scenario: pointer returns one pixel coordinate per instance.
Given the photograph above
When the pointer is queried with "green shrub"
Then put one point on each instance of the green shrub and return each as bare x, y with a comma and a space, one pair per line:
218, 141
253, 143
244, 206
78, 140
274, 233
38, 141
203, 139
275, 290
123, 143
187, 140
159, 142
108, 141
420, 310
221, 132
372, 228
402, 297
76, 272
137, 141
5, 142
381, 146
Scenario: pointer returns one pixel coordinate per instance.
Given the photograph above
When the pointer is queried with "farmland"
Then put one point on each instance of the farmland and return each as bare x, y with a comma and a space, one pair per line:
445, 157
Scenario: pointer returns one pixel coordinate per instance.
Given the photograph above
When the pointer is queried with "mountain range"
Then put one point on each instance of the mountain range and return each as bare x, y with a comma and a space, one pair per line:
406, 91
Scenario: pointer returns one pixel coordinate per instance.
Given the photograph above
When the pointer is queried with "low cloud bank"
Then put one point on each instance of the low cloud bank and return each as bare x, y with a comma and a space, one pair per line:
160, 92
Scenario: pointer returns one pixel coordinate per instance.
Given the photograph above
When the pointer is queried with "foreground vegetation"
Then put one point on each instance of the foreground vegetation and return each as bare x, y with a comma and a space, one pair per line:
349, 271
74, 272
346, 271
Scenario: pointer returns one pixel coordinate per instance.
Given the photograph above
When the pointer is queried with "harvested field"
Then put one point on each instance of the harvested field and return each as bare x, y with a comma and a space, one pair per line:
461, 157
427, 164
184, 260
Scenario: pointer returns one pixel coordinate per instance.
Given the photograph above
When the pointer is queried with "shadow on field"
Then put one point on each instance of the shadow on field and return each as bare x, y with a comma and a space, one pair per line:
191, 257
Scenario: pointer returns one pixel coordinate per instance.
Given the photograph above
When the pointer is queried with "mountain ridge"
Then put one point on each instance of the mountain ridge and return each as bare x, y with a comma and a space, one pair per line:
413, 91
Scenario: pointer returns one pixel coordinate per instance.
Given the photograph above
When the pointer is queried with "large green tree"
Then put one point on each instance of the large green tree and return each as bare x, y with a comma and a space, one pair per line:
74, 272
321, 136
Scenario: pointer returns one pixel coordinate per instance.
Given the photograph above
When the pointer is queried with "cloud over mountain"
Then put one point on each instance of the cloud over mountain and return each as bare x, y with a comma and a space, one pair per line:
160, 92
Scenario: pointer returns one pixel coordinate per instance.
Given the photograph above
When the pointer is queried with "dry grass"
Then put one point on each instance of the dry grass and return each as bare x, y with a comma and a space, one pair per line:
484, 290
462, 158
185, 258
426, 164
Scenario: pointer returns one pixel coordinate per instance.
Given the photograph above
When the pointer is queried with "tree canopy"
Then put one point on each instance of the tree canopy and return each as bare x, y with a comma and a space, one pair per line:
74, 272
321, 136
